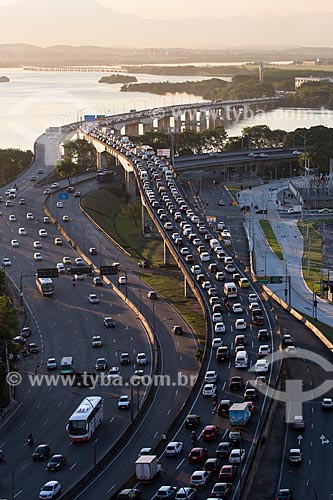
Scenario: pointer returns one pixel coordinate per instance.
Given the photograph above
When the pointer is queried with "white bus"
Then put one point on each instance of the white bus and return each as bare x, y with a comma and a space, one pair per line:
66, 366
86, 418
45, 286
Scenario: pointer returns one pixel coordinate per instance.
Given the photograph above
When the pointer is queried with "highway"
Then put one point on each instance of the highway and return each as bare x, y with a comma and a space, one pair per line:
64, 325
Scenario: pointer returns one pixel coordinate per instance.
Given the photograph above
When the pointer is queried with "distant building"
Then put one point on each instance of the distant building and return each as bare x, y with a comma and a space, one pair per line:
305, 79
261, 73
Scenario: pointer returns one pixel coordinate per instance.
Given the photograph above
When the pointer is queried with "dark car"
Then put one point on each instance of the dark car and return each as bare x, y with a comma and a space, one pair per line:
261, 211
109, 322
212, 465
221, 490
223, 450
56, 462
287, 340
70, 189
250, 394
26, 331
223, 353
257, 317
236, 383
192, 421
263, 334
42, 452
235, 437
285, 494
130, 494
223, 407
125, 358
93, 251
177, 330
197, 455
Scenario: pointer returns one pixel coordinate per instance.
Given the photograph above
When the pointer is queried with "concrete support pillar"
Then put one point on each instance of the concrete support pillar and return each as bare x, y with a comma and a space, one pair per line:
163, 124
147, 127
130, 183
166, 254
177, 125
202, 121
187, 289
132, 129
98, 160
211, 121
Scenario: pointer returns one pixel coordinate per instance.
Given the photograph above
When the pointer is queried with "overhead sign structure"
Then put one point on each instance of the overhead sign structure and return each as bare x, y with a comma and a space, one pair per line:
271, 280
163, 152
63, 196
48, 273
89, 118
80, 270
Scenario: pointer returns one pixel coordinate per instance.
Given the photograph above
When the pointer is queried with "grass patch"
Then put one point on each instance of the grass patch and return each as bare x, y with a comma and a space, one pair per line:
110, 209
172, 289
271, 238
312, 261
325, 329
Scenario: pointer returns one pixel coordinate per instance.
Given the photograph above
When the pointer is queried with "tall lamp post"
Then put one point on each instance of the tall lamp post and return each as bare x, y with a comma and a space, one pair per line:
308, 482
12, 472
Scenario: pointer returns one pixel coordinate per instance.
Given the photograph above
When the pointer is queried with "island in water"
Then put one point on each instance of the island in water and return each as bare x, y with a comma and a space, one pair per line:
117, 79
4, 79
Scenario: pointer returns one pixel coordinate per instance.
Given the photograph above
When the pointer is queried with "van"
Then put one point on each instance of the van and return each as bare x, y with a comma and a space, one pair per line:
214, 243
241, 359
230, 290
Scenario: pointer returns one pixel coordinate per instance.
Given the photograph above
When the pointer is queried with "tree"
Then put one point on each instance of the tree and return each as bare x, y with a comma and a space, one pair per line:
66, 169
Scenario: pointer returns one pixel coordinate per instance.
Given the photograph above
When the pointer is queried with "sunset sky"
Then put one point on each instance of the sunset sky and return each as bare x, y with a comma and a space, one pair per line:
171, 23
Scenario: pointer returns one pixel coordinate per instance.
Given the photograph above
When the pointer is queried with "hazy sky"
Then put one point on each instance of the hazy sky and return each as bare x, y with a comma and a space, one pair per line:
217, 8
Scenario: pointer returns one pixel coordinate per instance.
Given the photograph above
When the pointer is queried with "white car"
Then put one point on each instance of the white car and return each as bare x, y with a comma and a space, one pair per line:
42, 233
65, 218
200, 478
12, 218
219, 327
291, 349
122, 280
217, 318
93, 299
22, 231
209, 390
184, 251
240, 324
196, 269
254, 305
174, 449
55, 185
37, 244
66, 260
261, 366
38, 256
186, 493
47, 191
237, 456
50, 490
30, 216
264, 350
211, 377
229, 268
237, 308
204, 257
58, 241
60, 204
220, 276
6, 262
168, 226
61, 268
141, 359
14, 243
252, 297
114, 373
217, 342
78, 261
124, 402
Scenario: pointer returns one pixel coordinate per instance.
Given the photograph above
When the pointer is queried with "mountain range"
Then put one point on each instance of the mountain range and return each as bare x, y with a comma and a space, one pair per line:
88, 22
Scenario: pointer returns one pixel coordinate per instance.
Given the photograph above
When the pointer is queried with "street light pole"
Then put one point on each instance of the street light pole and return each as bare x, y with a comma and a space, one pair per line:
308, 482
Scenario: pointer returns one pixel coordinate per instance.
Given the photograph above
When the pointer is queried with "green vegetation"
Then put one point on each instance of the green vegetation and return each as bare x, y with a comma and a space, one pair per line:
311, 95
271, 238
13, 162
202, 88
9, 325
325, 329
191, 70
117, 79
170, 287
312, 261
79, 156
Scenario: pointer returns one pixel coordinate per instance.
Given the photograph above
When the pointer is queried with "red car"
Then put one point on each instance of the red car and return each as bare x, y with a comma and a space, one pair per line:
210, 433
197, 455
227, 472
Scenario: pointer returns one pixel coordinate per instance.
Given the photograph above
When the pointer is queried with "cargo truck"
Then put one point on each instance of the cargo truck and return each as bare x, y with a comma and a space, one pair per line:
147, 468
239, 414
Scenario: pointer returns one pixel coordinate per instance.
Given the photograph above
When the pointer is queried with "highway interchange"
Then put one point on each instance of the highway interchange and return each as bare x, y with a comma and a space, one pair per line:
68, 310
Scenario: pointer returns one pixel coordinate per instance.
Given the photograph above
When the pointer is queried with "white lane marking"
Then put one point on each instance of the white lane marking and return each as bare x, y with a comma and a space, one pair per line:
180, 464
72, 467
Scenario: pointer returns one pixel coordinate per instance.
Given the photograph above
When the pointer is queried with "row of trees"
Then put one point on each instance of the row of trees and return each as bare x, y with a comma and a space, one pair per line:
8, 328
79, 156
13, 162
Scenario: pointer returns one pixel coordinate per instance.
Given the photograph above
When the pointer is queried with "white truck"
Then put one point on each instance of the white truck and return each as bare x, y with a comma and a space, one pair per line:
147, 468
295, 209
